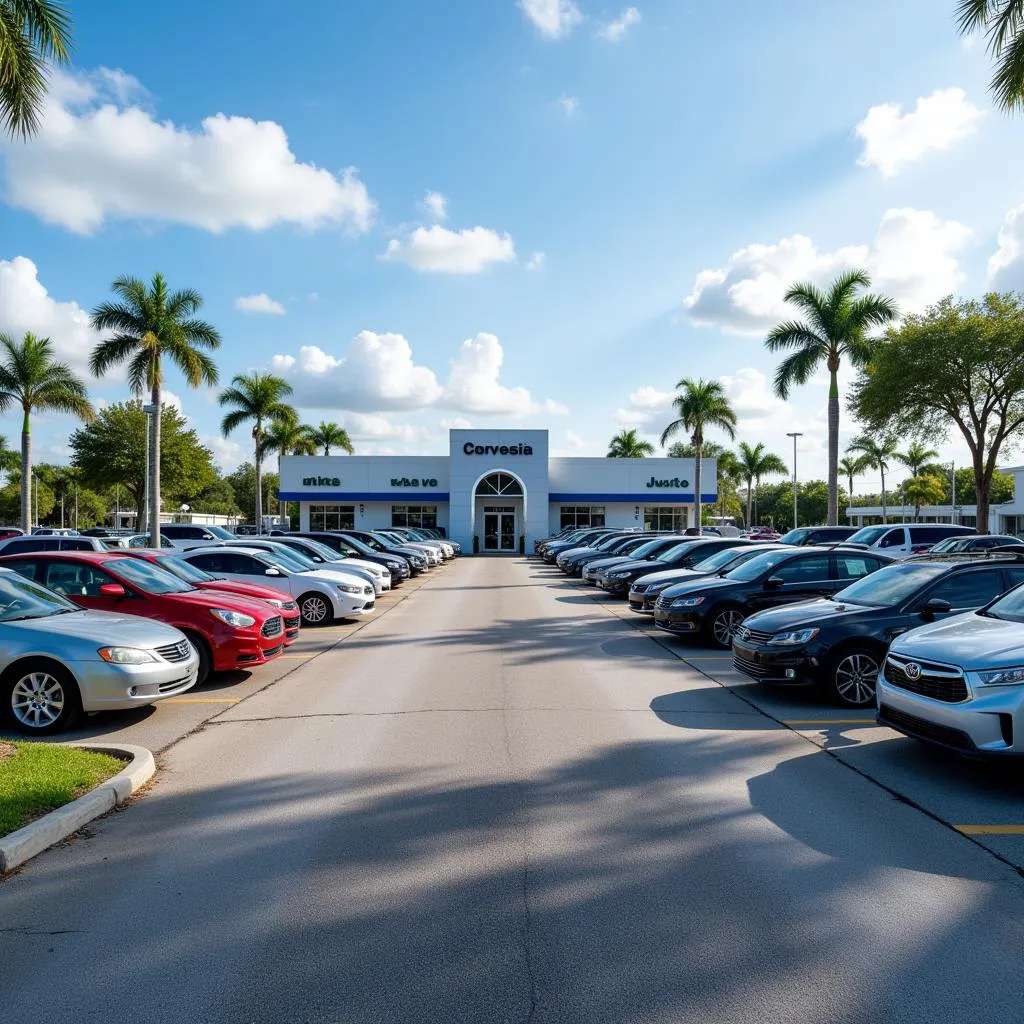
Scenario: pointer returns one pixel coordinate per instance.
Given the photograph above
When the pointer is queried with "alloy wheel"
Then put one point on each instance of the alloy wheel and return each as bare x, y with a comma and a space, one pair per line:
37, 700
855, 678
314, 610
725, 625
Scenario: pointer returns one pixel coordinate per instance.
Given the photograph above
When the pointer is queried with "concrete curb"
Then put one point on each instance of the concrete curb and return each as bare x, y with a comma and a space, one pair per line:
51, 828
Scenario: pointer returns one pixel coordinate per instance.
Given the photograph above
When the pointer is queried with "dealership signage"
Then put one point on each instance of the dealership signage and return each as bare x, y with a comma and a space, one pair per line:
416, 481
674, 482
321, 481
471, 448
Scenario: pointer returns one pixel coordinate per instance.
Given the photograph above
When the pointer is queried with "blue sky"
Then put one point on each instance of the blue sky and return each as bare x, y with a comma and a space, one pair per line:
627, 191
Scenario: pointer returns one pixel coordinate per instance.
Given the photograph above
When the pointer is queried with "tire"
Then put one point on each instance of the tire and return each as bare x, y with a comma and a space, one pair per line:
852, 676
721, 624
205, 659
315, 609
40, 697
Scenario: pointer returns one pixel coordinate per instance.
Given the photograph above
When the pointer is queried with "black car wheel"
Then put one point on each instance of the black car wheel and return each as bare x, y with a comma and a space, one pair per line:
202, 649
722, 624
854, 674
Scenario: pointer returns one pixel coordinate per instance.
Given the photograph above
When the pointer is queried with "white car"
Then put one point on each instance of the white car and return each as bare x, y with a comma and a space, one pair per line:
433, 553
299, 560
185, 536
322, 595
323, 557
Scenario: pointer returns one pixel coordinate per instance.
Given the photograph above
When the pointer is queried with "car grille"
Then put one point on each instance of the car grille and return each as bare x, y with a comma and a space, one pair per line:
273, 627
181, 651
663, 603
748, 666
270, 652
640, 588
168, 687
926, 730
939, 682
367, 591
753, 636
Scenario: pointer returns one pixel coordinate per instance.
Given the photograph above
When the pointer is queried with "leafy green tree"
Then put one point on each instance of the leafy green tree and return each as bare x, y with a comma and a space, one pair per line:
149, 324
289, 437
878, 453
922, 490
32, 379
959, 363
243, 483
755, 462
256, 398
10, 499
701, 404
218, 497
1000, 490
775, 503
112, 451
918, 459
836, 327
851, 466
627, 444
1002, 23
33, 35
330, 435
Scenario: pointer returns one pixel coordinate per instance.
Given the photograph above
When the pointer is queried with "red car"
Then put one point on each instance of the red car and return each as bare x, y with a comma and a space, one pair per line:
228, 631
201, 579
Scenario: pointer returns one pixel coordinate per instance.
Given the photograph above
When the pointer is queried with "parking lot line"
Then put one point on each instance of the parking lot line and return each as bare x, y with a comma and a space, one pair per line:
990, 830
202, 700
829, 721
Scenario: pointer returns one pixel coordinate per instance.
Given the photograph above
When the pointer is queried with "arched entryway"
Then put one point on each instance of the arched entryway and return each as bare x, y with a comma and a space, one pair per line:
499, 512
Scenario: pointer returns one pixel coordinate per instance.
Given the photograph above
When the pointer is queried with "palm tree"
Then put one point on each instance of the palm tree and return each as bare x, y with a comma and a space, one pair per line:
923, 490
626, 444
755, 463
288, 437
148, 324
9, 458
917, 458
851, 466
31, 378
701, 404
257, 398
836, 326
33, 33
877, 455
330, 435
1002, 21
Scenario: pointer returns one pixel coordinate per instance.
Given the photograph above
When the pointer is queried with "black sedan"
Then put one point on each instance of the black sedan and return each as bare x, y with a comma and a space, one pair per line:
688, 552
714, 608
841, 642
348, 547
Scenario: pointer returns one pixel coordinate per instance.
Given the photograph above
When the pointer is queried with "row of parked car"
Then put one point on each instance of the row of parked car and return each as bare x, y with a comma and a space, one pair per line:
933, 639
85, 627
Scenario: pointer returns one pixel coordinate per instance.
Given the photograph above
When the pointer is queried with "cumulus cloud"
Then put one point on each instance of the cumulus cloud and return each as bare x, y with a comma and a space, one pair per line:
473, 384
647, 406
374, 427
536, 261
1004, 269
25, 305
913, 259
228, 454
554, 19
615, 31
893, 139
101, 156
261, 303
570, 105
438, 250
435, 205
751, 397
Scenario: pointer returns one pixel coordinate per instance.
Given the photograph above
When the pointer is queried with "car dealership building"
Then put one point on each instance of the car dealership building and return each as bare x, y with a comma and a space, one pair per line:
495, 485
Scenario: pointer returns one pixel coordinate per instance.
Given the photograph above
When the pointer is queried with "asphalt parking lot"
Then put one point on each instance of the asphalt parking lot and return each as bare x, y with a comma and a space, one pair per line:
983, 801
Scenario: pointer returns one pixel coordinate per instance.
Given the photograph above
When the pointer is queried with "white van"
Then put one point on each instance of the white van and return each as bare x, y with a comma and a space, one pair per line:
906, 538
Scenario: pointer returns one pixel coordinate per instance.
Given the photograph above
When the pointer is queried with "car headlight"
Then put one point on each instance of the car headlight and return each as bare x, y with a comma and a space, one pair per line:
1002, 677
794, 637
235, 619
280, 602
617, 575
687, 602
638, 588
126, 656
349, 588
657, 588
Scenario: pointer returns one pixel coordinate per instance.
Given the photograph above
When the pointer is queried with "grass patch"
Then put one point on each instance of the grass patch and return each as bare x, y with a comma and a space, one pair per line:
39, 777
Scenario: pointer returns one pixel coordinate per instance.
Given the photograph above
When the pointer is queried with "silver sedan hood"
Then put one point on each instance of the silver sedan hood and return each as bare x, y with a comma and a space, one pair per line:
106, 628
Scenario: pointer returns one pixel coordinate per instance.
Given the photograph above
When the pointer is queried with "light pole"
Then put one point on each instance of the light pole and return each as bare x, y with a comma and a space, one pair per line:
148, 410
952, 506
794, 434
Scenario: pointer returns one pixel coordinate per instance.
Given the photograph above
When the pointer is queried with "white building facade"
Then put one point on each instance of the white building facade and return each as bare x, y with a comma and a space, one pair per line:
498, 486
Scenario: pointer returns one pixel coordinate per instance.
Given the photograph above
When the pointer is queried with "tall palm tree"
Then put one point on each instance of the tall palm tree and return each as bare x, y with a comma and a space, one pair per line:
257, 398
330, 435
851, 466
701, 403
288, 437
836, 326
626, 444
33, 34
917, 458
31, 378
754, 463
148, 324
878, 454
1002, 22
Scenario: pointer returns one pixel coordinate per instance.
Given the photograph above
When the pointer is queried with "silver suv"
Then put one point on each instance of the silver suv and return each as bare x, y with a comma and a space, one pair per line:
959, 683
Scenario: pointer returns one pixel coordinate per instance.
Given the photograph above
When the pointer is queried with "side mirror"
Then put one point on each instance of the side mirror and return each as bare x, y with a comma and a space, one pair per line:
112, 590
773, 583
936, 606
273, 572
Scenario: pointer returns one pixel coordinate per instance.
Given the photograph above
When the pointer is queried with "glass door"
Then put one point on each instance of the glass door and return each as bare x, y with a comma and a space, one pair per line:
508, 531
491, 531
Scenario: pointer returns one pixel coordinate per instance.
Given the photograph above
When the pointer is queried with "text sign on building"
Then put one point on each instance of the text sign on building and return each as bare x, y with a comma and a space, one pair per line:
471, 448
674, 482
405, 481
321, 481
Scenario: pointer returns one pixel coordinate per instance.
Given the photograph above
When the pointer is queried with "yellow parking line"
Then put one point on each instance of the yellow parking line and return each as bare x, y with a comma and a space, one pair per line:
829, 721
202, 700
990, 830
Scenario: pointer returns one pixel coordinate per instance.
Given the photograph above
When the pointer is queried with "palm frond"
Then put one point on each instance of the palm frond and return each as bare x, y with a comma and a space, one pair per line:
796, 369
233, 420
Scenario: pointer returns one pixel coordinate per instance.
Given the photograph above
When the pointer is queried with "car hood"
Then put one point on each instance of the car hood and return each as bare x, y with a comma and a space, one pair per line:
806, 613
640, 566
704, 584
333, 577
109, 628
222, 599
573, 552
969, 640
608, 561
679, 575
253, 590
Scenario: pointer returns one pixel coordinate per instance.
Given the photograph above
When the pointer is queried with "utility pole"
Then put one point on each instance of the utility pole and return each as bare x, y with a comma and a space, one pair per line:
794, 435
952, 507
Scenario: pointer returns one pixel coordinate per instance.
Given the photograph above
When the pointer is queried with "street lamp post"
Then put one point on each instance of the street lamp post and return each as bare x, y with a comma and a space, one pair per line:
148, 410
794, 434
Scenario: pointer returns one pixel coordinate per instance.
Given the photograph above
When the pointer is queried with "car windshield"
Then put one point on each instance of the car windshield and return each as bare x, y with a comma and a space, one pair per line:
351, 544
321, 549
753, 568
890, 585
609, 542
676, 551
148, 577
949, 544
1010, 606
721, 559
648, 548
292, 560
869, 534
795, 537
22, 599
220, 533
185, 570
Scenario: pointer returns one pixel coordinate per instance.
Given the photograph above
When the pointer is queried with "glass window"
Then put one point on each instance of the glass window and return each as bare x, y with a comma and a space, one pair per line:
853, 567
332, 517
891, 585
148, 577
753, 568
580, 516
73, 580
414, 516
499, 483
179, 567
240, 564
212, 562
868, 535
804, 570
894, 538
969, 589
665, 517
21, 599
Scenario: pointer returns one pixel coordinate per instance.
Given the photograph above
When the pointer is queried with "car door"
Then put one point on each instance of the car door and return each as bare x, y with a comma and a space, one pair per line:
241, 566
81, 582
965, 591
802, 578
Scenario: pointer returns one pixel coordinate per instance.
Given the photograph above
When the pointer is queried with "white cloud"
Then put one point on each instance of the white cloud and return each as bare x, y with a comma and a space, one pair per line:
25, 305
374, 427
647, 406
914, 260
1001, 269
555, 19
438, 250
172, 399
228, 454
435, 205
261, 303
456, 423
893, 139
570, 105
100, 157
615, 31
536, 261
751, 396
473, 384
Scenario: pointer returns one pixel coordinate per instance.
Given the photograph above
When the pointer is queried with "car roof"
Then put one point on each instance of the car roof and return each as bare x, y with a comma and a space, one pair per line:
968, 558
88, 555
